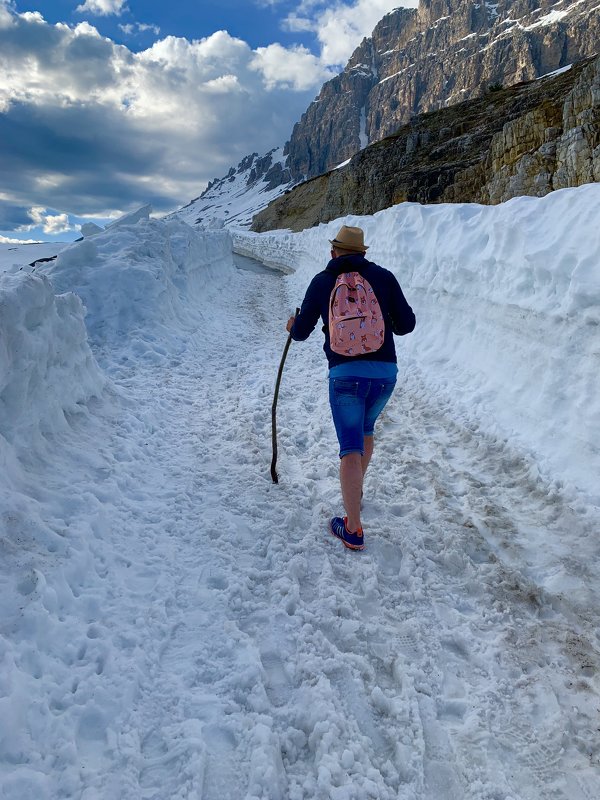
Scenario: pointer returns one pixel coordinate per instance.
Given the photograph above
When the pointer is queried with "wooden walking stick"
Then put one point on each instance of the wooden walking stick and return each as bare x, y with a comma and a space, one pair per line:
274, 475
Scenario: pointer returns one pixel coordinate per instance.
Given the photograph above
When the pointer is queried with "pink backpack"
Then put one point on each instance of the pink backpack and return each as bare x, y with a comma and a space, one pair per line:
356, 323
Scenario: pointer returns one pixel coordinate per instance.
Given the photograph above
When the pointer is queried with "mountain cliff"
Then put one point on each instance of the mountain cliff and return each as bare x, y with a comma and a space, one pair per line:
527, 139
441, 53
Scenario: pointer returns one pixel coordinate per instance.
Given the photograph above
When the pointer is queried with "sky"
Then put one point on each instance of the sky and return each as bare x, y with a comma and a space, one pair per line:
106, 105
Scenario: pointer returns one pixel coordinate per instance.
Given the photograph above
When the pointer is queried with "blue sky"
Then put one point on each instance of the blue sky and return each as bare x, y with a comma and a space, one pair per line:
106, 105
257, 23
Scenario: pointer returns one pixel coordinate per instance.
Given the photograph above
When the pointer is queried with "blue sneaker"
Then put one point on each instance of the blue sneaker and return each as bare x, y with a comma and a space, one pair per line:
354, 541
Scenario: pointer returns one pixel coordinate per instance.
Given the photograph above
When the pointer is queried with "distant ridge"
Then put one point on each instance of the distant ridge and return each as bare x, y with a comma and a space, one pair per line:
235, 198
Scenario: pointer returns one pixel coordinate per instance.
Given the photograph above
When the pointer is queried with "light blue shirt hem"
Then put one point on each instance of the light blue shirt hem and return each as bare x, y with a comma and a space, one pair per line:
364, 369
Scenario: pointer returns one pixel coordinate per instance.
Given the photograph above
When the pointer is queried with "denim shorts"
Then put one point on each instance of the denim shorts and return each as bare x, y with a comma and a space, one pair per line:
355, 404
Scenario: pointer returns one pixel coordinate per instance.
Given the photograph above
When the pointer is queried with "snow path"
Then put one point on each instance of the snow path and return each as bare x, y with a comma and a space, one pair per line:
227, 647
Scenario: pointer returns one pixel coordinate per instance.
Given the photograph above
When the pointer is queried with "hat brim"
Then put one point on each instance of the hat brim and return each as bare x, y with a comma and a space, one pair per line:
350, 249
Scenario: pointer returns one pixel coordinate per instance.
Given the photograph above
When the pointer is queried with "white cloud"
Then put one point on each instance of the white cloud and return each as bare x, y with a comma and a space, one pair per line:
169, 82
50, 223
89, 125
297, 24
102, 8
33, 16
8, 240
6, 18
142, 26
340, 27
132, 28
295, 67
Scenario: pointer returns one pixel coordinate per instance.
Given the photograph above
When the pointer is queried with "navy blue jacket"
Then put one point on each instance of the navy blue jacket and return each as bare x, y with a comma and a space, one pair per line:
398, 315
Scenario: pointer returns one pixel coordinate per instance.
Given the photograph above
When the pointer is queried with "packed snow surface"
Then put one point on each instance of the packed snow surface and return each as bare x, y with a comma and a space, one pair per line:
13, 257
174, 625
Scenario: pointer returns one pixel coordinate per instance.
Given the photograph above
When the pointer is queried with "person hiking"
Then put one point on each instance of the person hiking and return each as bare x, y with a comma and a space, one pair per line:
362, 357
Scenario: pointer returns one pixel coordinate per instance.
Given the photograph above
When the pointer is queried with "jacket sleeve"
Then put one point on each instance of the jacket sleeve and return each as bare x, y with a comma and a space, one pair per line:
402, 315
310, 312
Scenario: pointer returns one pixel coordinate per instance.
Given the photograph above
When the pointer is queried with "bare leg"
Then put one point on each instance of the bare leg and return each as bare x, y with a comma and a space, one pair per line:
351, 479
368, 445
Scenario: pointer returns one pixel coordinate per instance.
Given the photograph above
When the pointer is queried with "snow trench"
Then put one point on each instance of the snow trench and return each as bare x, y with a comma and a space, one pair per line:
174, 625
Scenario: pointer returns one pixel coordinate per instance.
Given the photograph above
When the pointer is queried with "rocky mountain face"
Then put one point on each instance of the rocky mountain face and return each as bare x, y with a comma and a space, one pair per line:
527, 139
441, 53
258, 169
237, 196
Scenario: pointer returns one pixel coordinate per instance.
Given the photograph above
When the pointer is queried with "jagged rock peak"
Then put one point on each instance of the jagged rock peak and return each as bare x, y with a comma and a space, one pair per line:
257, 168
236, 197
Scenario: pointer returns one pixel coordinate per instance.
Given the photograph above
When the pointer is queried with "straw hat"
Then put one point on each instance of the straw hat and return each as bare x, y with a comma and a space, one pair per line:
351, 239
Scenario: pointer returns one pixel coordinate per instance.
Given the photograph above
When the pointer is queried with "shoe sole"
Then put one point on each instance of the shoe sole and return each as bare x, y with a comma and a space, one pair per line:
344, 542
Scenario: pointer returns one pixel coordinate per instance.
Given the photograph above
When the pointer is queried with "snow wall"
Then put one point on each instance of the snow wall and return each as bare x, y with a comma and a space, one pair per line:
47, 370
145, 288
507, 300
137, 289
145, 285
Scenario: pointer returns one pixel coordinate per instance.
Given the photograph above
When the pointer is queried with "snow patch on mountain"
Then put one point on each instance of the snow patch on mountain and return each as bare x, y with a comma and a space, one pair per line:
234, 199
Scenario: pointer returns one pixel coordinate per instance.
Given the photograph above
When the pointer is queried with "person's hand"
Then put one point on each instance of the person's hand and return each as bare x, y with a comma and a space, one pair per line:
290, 322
